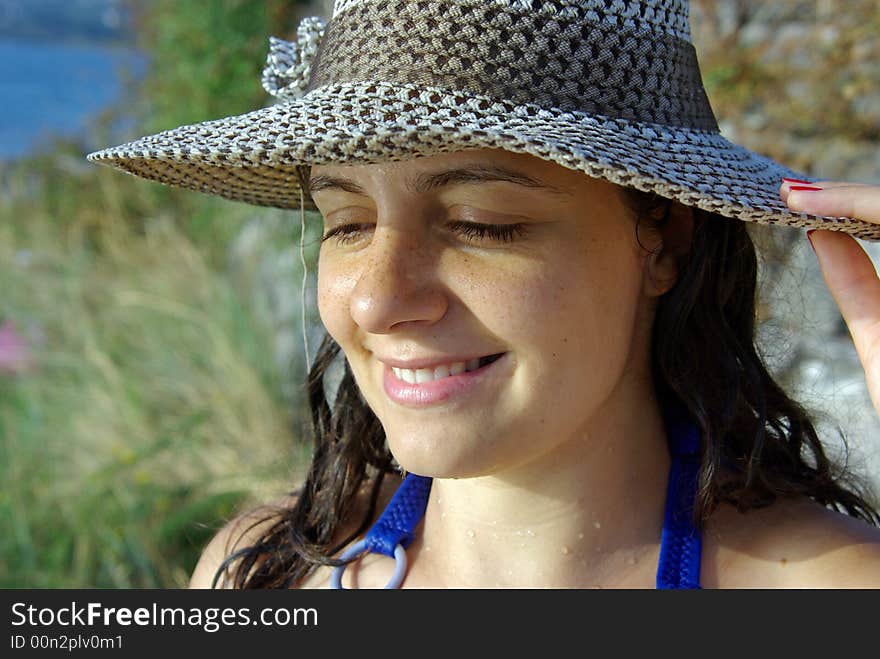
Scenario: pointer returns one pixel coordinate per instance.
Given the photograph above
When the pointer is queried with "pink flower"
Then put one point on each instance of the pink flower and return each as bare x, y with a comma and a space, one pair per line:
15, 357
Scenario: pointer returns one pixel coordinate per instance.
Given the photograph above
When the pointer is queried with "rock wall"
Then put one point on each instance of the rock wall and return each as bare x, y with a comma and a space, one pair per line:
800, 82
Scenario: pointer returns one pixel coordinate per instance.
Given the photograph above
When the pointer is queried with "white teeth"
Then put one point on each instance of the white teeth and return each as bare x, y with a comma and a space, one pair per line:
407, 375
418, 376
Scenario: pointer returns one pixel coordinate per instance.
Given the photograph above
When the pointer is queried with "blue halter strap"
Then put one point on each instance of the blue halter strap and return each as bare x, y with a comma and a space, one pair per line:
680, 544
394, 531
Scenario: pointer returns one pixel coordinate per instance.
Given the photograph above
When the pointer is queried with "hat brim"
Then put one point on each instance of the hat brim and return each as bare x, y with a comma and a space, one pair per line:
253, 157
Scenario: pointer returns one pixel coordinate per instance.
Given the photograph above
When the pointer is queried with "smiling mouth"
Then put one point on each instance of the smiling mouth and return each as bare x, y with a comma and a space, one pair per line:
422, 375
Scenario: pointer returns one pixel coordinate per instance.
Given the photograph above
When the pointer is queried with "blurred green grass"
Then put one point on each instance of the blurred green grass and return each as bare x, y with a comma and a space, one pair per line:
155, 409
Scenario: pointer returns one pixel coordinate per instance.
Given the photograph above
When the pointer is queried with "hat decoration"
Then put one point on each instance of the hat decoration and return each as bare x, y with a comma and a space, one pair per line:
289, 64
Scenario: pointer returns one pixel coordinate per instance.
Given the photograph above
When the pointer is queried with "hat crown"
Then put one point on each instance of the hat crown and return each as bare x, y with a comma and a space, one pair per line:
664, 16
623, 59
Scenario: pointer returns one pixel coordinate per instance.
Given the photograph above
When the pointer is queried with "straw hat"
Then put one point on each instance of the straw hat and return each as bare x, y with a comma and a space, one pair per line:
611, 88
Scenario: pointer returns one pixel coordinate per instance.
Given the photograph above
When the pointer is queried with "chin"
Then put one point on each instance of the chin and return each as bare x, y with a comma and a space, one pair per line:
439, 459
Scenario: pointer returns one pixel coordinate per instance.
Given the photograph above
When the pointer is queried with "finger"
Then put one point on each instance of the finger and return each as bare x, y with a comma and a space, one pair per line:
786, 185
857, 201
853, 283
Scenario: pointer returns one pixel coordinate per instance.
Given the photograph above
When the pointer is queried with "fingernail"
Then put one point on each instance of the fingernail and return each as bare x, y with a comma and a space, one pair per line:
796, 180
806, 188
810, 238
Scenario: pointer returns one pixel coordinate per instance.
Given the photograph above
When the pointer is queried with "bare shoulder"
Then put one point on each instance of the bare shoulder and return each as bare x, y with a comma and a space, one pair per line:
790, 544
243, 530
238, 533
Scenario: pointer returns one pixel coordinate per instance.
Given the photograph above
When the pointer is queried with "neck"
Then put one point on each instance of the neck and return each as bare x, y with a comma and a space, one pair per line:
589, 514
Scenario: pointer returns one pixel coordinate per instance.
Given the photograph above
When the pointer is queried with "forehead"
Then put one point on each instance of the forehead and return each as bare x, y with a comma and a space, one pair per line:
425, 174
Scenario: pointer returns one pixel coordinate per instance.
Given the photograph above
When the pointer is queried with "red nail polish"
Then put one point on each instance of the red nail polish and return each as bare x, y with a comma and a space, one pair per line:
808, 188
810, 238
796, 180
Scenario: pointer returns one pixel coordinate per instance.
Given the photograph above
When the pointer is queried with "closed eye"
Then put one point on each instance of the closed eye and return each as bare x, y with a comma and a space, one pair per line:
478, 231
471, 231
346, 233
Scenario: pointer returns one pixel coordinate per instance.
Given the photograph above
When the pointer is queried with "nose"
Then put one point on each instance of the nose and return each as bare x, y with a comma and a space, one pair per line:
398, 283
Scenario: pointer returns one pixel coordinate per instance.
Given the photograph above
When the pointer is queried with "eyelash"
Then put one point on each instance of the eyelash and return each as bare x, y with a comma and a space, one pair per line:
505, 233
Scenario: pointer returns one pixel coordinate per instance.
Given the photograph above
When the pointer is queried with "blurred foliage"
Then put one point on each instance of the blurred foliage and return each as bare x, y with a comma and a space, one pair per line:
207, 56
205, 62
155, 410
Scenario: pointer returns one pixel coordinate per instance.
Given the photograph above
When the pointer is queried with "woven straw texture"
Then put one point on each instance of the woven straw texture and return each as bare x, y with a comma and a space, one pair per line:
611, 88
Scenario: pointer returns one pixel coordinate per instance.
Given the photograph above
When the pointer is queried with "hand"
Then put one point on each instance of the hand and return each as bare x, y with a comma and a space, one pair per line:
846, 267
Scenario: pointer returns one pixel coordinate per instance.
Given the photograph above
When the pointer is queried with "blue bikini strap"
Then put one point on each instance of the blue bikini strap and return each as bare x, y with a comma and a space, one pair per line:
681, 543
393, 532
398, 522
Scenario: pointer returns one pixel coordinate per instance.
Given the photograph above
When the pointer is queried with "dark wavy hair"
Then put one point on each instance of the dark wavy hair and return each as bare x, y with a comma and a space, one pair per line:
757, 443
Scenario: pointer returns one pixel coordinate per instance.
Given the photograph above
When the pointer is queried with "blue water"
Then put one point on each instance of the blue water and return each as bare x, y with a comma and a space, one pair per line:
55, 89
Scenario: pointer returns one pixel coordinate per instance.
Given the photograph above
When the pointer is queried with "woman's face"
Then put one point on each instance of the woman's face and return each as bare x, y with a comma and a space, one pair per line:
490, 304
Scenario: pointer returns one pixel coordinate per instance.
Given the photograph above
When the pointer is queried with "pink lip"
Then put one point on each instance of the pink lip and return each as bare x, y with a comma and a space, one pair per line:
436, 391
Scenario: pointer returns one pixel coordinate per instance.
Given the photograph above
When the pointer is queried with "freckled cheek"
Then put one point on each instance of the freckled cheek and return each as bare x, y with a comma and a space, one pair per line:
519, 307
335, 286
559, 318
546, 316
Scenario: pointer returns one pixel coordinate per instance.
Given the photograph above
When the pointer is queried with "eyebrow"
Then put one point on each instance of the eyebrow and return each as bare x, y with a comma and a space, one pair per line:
426, 182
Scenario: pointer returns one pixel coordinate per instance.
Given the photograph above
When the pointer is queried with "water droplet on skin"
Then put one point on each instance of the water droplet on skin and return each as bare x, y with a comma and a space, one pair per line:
566, 551
580, 536
522, 544
470, 533
597, 525
530, 533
